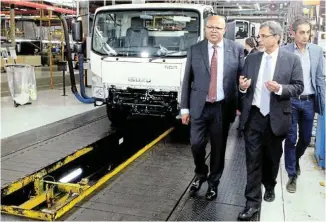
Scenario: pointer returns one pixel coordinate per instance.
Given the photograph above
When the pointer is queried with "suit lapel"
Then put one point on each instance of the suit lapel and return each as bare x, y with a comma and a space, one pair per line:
256, 70
291, 47
204, 51
227, 51
278, 65
313, 58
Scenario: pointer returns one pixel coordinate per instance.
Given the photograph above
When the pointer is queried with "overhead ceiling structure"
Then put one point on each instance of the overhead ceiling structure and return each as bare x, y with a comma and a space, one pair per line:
259, 10
33, 7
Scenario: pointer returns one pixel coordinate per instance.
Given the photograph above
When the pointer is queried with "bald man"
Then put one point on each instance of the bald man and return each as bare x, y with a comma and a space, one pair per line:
209, 100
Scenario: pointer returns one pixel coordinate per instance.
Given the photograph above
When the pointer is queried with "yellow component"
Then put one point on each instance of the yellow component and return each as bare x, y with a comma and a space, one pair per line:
38, 185
58, 208
104, 179
23, 182
60, 202
26, 213
49, 196
322, 183
35, 201
68, 187
311, 2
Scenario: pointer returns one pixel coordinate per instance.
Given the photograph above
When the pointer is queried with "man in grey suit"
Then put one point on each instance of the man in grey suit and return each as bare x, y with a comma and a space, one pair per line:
269, 79
209, 100
304, 106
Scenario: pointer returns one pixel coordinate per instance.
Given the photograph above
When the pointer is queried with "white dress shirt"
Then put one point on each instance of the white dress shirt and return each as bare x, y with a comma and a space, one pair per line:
220, 70
259, 84
306, 68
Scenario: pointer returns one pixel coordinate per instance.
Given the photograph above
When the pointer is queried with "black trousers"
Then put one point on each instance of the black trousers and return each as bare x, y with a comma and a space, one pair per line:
263, 154
210, 124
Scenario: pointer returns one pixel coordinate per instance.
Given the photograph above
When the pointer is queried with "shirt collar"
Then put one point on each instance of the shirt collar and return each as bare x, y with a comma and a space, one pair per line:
220, 44
273, 54
296, 47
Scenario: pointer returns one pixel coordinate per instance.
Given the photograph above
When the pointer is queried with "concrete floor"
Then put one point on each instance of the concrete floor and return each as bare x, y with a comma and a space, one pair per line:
49, 107
308, 203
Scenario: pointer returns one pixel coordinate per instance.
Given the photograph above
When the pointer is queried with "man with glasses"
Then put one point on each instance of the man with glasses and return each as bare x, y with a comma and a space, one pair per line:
269, 79
209, 100
304, 106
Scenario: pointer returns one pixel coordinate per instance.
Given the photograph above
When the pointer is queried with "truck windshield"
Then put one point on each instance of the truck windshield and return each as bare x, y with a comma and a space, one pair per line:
145, 33
242, 30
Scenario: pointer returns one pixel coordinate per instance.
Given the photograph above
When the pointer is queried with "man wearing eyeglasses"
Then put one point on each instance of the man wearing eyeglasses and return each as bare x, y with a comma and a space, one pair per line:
209, 100
311, 101
269, 79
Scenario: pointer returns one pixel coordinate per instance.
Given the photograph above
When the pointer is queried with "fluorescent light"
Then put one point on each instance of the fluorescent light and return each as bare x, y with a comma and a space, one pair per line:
71, 176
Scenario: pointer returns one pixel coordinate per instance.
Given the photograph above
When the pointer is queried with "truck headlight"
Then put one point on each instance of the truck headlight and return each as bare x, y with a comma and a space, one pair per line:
99, 90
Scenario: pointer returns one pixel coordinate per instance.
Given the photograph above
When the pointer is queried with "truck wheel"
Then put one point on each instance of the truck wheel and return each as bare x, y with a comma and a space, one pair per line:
116, 116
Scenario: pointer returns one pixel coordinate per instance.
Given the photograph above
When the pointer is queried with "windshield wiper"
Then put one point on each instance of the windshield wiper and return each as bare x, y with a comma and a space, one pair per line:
163, 54
105, 46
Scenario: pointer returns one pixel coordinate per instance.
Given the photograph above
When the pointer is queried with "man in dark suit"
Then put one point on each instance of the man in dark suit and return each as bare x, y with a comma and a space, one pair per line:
269, 79
209, 99
311, 101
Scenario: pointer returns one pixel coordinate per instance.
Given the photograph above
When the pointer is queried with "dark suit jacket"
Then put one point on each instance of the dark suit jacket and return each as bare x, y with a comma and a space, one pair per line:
288, 73
253, 51
317, 72
197, 78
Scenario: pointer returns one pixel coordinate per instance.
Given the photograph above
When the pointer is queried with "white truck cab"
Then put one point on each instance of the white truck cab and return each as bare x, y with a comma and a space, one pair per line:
240, 30
138, 55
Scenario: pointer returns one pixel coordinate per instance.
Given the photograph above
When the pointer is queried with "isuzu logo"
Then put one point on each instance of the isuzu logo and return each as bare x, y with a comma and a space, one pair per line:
170, 67
137, 79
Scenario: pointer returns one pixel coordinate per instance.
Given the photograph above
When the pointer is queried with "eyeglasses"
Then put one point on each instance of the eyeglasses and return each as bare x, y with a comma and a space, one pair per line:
214, 28
264, 36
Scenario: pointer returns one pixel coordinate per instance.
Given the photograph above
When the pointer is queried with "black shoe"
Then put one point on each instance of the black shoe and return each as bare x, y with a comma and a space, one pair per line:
291, 185
211, 192
269, 195
297, 168
248, 213
196, 185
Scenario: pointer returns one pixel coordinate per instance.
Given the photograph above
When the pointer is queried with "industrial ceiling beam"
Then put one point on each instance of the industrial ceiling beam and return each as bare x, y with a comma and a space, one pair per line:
21, 12
262, 18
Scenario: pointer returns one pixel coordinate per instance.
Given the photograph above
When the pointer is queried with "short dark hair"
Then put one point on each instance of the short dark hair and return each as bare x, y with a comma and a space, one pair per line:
251, 42
298, 22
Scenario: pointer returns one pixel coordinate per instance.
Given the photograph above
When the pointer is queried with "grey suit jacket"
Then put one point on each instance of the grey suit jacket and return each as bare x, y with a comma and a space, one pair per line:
196, 79
317, 71
288, 73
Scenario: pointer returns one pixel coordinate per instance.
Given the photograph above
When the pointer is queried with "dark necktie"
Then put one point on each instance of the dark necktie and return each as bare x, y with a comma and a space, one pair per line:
212, 93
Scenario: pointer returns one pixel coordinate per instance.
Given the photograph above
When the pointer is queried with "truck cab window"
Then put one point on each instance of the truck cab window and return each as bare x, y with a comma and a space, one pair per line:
241, 30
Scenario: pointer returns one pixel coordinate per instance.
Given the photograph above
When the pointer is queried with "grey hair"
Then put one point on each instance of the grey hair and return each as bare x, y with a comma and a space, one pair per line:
274, 27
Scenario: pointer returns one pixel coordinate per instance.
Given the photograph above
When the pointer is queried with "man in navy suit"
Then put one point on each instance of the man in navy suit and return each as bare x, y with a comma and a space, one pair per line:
209, 99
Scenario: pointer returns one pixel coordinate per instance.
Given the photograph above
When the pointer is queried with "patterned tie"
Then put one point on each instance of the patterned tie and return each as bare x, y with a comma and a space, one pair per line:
265, 93
213, 71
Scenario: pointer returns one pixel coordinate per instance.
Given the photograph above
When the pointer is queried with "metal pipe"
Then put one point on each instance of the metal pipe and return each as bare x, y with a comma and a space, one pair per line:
256, 17
40, 6
12, 26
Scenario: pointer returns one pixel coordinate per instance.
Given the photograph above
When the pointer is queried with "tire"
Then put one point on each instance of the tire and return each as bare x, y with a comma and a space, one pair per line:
116, 116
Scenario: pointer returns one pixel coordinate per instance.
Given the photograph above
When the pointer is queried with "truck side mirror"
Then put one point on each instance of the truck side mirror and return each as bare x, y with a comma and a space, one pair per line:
77, 31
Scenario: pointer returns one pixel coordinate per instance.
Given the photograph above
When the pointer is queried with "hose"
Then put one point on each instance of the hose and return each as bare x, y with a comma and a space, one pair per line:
81, 77
70, 66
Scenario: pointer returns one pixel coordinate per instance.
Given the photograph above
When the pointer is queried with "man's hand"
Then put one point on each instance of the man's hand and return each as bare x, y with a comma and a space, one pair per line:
244, 83
272, 86
185, 119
